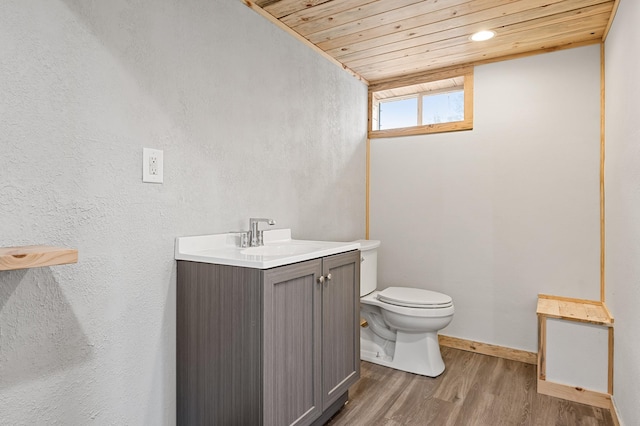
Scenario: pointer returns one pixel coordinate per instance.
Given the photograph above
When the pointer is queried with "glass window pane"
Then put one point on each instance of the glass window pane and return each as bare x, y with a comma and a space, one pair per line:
402, 113
443, 108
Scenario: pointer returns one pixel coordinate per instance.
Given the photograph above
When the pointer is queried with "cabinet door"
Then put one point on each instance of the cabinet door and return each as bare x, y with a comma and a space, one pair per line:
341, 333
292, 344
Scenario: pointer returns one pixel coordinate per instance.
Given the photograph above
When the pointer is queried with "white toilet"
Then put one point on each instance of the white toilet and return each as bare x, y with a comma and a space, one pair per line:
401, 324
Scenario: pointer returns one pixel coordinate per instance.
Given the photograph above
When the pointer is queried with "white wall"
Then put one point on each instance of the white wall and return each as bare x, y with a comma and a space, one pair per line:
577, 354
496, 215
622, 183
252, 123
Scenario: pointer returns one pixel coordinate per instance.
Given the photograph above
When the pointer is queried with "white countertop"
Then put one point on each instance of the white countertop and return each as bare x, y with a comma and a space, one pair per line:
279, 249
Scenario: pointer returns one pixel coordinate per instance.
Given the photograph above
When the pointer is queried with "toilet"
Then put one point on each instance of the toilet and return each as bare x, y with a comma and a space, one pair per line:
400, 324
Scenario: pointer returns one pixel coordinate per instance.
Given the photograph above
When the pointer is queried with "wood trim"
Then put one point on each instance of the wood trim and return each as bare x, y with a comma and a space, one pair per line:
614, 10
569, 299
422, 130
575, 394
368, 190
368, 165
370, 111
488, 349
610, 363
23, 257
468, 97
602, 158
422, 77
602, 203
604, 306
614, 413
260, 11
542, 347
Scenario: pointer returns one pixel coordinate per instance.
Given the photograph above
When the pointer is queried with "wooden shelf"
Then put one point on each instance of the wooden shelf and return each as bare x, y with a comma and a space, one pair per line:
12, 258
588, 311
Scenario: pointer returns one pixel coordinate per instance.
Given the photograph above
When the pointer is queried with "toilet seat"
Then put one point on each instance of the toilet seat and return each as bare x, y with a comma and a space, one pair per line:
372, 299
414, 298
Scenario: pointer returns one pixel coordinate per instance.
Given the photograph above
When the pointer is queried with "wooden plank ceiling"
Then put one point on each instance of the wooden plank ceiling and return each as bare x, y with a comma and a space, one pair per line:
388, 39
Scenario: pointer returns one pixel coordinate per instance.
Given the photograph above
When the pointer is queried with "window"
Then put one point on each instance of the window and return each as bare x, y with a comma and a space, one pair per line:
398, 113
441, 102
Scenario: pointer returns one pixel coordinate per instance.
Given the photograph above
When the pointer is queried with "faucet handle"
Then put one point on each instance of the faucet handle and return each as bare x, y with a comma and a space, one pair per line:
244, 239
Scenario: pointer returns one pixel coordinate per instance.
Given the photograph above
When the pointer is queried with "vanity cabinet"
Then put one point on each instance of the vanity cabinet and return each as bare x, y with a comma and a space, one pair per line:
275, 346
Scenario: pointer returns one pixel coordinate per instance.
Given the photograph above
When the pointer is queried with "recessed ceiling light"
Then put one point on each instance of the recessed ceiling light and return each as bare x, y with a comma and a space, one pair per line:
482, 35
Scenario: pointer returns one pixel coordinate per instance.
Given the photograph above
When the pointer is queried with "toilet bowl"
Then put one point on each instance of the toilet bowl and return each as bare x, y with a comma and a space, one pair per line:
400, 324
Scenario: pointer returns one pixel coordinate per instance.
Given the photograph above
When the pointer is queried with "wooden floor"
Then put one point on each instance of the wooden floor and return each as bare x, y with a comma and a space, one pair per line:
474, 390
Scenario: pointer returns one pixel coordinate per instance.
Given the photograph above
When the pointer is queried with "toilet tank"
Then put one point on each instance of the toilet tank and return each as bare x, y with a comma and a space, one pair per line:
368, 266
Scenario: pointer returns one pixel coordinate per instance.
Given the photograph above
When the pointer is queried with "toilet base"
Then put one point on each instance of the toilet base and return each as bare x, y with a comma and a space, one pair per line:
417, 353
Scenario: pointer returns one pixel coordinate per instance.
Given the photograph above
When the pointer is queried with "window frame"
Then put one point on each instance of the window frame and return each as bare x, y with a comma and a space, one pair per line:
454, 126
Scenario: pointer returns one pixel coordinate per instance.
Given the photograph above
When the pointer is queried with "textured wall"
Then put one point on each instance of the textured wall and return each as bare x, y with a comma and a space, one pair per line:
252, 123
622, 183
498, 214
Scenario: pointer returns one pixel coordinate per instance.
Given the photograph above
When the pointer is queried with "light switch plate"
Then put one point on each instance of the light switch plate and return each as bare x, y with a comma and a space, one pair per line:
152, 165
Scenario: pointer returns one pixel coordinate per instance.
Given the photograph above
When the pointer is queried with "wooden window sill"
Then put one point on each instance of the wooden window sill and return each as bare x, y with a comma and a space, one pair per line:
455, 126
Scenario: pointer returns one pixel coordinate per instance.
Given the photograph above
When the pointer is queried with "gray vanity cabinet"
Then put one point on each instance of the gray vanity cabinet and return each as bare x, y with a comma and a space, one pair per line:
267, 347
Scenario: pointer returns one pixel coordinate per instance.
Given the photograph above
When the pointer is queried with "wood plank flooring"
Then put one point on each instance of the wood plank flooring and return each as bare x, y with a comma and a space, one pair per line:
474, 390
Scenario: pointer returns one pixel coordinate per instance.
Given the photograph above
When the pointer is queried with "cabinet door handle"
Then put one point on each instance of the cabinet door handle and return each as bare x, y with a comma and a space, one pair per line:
329, 277
321, 279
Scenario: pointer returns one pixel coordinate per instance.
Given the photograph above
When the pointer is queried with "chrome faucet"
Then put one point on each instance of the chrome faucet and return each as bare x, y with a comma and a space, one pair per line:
255, 235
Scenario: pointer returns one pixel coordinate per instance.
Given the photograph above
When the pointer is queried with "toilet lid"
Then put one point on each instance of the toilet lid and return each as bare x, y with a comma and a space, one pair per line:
415, 298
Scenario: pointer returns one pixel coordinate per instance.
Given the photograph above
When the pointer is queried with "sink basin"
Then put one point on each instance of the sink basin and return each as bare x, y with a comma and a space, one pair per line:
279, 249
288, 249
